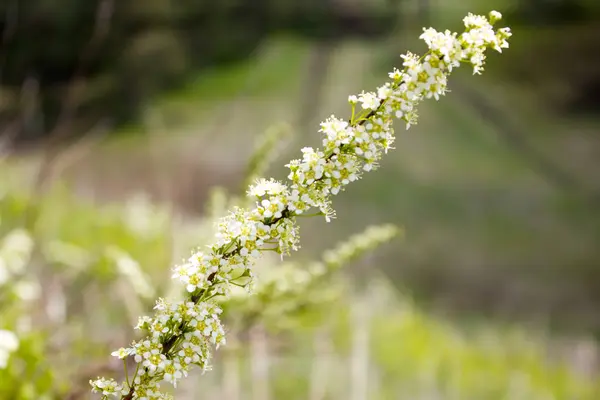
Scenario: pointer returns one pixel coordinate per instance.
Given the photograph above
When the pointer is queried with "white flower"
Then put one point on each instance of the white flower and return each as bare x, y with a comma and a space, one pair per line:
369, 100
108, 387
173, 372
475, 21
264, 187
396, 75
122, 353
384, 91
495, 16
411, 61
272, 207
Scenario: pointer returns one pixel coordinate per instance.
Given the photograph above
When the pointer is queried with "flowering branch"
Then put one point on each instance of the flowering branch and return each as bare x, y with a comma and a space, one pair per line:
181, 333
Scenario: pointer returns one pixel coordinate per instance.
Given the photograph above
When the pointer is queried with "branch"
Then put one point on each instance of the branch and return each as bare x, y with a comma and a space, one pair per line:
182, 333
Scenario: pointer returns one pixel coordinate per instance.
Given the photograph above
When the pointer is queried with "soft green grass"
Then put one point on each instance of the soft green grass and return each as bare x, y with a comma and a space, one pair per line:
412, 355
268, 70
421, 356
272, 69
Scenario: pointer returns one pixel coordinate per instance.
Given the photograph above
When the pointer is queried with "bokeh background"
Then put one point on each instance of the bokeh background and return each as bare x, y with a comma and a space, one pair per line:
118, 117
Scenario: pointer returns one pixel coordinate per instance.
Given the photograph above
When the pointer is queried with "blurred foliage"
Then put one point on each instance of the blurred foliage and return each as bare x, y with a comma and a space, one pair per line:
553, 56
89, 261
498, 187
122, 54
480, 363
110, 58
554, 12
94, 255
412, 355
84, 263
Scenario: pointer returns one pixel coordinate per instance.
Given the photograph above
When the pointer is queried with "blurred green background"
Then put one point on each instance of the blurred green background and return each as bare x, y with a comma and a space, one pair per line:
118, 111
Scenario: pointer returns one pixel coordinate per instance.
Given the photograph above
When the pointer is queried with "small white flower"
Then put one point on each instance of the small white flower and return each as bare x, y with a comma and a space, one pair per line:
122, 353
384, 91
108, 387
264, 187
396, 75
475, 21
495, 16
369, 100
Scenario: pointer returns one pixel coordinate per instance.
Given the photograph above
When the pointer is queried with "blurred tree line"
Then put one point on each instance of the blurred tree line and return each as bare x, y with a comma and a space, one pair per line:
555, 12
81, 62
102, 58
557, 57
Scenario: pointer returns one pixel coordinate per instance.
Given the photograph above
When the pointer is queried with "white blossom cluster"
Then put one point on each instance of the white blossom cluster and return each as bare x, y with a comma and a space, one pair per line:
181, 334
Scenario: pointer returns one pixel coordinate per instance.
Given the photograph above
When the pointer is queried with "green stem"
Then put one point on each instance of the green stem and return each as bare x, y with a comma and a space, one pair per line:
126, 373
319, 214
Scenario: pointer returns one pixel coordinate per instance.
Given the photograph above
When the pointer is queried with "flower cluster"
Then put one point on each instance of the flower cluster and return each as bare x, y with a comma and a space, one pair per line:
181, 333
